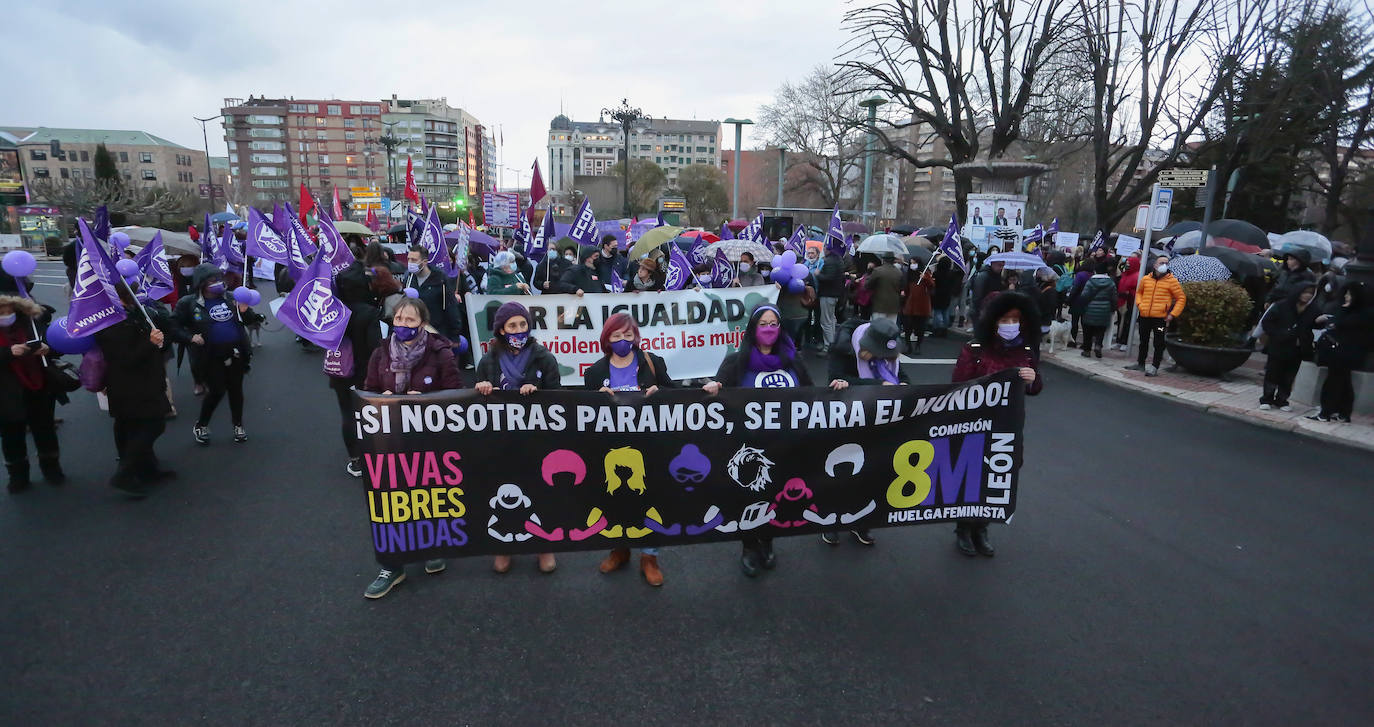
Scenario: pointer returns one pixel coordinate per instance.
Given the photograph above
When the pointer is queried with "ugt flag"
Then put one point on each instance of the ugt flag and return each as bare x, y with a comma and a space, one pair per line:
298, 246
834, 235
754, 230
952, 245
101, 231
797, 243
332, 246
95, 304
617, 284
1099, 243
679, 269
584, 227
157, 275
697, 252
432, 237
313, 311
722, 273
725, 233
264, 242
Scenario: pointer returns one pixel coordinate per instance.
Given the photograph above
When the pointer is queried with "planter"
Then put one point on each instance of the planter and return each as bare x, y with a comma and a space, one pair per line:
1206, 360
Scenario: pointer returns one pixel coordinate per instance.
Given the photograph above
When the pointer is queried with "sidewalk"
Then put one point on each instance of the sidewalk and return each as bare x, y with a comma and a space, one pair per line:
1237, 396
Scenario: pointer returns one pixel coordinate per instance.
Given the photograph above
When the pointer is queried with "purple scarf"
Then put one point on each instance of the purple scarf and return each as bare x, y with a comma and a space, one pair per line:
513, 366
760, 362
404, 358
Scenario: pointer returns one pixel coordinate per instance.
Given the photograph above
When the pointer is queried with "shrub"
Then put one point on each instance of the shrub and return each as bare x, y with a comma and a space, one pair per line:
1216, 314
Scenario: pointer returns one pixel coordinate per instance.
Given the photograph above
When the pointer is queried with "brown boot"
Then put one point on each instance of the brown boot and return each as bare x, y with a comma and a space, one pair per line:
615, 561
648, 565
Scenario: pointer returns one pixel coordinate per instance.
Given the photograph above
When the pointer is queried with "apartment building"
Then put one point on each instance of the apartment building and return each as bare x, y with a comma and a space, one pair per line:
593, 147
143, 160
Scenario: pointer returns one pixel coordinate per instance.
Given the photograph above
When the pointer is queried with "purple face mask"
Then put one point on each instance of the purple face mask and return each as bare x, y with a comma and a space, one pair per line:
622, 347
767, 335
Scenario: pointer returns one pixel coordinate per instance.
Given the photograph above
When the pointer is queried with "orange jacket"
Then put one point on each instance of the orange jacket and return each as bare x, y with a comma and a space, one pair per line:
1159, 297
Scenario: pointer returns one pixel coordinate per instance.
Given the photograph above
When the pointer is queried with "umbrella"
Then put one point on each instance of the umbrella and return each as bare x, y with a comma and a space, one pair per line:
919, 241
396, 228
702, 234
1178, 228
652, 239
918, 253
173, 242
1316, 243
934, 232
1018, 260
883, 243
905, 228
1237, 234
1242, 265
349, 227
733, 248
1342, 249
1199, 268
1188, 240
223, 217
737, 225
853, 227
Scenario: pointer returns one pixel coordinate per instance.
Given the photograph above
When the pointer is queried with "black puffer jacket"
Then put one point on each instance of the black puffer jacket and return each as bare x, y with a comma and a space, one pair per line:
1290, 330
135, 381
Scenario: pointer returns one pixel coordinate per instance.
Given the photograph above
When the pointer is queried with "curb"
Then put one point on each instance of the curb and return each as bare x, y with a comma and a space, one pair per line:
1227, 412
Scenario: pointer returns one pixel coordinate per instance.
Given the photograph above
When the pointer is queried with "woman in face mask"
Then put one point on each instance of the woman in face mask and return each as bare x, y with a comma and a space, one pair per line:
1004, 338
414, 360
213, 324
515, 361
503, 278
26, 404
628, 367
766, 360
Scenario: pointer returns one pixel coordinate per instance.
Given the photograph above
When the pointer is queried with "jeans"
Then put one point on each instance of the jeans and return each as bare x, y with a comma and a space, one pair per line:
223, 374
827, 308
939, 318
1338, 393
1151, 328
1279, 372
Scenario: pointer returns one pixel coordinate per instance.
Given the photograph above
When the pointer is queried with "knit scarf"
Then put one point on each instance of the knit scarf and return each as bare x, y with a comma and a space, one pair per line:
404, 358
760, 362
514, 365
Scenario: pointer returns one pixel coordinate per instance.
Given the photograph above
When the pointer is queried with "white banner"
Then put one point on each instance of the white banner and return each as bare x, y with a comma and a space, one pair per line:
1068, 240
692, 330
1125, 245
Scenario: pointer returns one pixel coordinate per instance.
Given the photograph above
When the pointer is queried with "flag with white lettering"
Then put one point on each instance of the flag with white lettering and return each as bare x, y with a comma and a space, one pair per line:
312, 309
584, 227
95, 305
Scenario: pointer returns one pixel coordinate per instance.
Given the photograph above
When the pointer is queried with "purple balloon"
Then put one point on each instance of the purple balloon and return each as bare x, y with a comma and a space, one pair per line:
257, 297
119, 240
786, 260
127, 268
412, 293
19, 263
799, 272
62, 342
795, 287
782, 276
463, 344
244, 295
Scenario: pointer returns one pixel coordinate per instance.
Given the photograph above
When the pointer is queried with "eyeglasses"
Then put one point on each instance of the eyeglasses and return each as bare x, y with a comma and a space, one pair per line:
770, 325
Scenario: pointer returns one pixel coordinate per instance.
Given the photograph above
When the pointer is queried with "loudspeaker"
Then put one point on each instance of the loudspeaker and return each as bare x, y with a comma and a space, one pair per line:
777, 228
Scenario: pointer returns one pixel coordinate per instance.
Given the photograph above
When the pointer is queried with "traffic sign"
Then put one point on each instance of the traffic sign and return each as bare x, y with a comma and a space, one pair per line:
1183, 178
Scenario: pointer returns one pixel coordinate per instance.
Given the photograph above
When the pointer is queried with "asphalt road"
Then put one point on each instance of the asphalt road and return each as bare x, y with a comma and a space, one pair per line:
1164, 567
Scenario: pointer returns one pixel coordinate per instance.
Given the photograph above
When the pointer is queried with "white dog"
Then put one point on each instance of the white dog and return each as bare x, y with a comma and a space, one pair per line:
1059, 333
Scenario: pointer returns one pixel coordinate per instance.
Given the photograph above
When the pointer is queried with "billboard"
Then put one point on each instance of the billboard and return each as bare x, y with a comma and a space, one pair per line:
1002, 215
11, 178
501, 209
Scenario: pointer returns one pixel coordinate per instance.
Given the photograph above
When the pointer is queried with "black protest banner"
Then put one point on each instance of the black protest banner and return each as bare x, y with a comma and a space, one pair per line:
457, 473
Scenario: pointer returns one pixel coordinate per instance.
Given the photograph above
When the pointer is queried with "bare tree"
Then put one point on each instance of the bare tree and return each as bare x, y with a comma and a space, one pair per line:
819, 119
962, 72
1157, 67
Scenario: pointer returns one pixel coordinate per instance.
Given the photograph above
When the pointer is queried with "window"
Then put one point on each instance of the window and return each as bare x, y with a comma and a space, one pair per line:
350, 135
324, 158
367, 123
65, 174
266, 146
271, 183
37, 155
234, 158
355, 110
41, 172
124, 156
644, 147
268, 171
267, 158
701, 150
149, 174
296, 108
263, 119
267, 133
372, 110
145, 157
324, 171
128, 177
334, 110
321, 134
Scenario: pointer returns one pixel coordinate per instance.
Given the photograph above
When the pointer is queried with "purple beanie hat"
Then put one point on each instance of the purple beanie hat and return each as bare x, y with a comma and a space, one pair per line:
506, 312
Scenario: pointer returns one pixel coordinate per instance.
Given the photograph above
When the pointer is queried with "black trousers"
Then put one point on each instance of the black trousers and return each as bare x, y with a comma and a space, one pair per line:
1338, 393
915, 325
1075, 320
223, 375
755, 543
1279, 373
134, 438
1093, 336
38, 420
1151, 328
349, 428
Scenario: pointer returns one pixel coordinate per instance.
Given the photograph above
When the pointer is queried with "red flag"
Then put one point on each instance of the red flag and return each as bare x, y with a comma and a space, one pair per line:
471, 221
338, 209
307, 204
371, 219
412, 192
537, 191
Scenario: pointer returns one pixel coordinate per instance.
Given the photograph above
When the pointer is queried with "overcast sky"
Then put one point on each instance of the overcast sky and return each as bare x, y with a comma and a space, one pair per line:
154, 64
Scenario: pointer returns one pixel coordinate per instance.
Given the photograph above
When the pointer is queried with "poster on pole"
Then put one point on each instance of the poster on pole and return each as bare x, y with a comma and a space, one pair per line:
1125, 245
501, 209
1002, 215
680, 467
692, 330
1066, 240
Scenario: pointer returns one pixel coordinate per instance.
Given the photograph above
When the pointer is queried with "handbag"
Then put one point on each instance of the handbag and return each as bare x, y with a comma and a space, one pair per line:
60, 377
809, 299
93, 370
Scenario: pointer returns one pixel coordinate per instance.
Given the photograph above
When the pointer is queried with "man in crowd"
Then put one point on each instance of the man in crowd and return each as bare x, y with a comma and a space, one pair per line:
886, 283
1160, 299
436, 290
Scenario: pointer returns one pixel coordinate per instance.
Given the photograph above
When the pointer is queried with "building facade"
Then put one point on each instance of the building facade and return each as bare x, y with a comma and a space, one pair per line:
142, 159
592, 147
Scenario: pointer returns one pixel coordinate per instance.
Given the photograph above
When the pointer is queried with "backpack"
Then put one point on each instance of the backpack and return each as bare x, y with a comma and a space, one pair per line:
339, 362
93, 370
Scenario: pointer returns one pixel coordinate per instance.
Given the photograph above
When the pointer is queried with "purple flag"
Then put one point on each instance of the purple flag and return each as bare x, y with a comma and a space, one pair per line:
722, 273
725, 232
279, 226
332, 246
679, 269
432, 238
613, 228
834, 236
101, 231
157, 276
232, 248
297, 245
1035, 237
1099, 243
1054, 228
264, 241
312, 310
617, 284
754, 230
584, 226
546, 237
798, 242
952, 245
638, 229
660, 221
524, 236
207, 240
95, 304
214, 248
697, 252
293, 223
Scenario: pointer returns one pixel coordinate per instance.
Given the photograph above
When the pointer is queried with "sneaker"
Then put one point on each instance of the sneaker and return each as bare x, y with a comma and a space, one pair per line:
355, 467
240, 435
1285, 407
1319, 417
863, 536
830, 538
1343, 419
1153, 371
202, 434
436, 565
1087, 354
1134, 367
1265, 407
386, 580
1097, 352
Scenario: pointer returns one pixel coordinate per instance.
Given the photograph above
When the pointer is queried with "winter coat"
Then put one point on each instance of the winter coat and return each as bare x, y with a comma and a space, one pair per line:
1289, 281
549, 269
1351, 328
1125, 287
583, 278
135, 380
500, 282
980, 359
886, 283
13, 394
750, 279
831, 277
1290, 330
653, 371
1159, 297
542, 368
445, 312
192, 318
436, 370
948, 280
918, 295
1047, 301
1097, 301
606, 265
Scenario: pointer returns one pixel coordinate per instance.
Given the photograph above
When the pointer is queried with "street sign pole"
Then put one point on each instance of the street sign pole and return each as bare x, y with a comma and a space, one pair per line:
1145, 268
1211, 194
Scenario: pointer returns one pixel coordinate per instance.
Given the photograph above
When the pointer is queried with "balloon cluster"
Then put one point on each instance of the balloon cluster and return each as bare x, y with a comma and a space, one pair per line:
247, 296
789, 273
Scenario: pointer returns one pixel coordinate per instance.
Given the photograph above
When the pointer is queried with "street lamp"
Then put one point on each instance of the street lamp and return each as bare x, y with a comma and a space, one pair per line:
390, 142
625, 116
739, 134
782, 164
872, 103
209, 171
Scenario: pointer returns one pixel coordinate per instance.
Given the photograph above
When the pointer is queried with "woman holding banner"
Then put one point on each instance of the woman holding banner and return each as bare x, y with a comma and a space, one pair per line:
1004, 337
766, 360
414, 360
627, 367
516, 362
